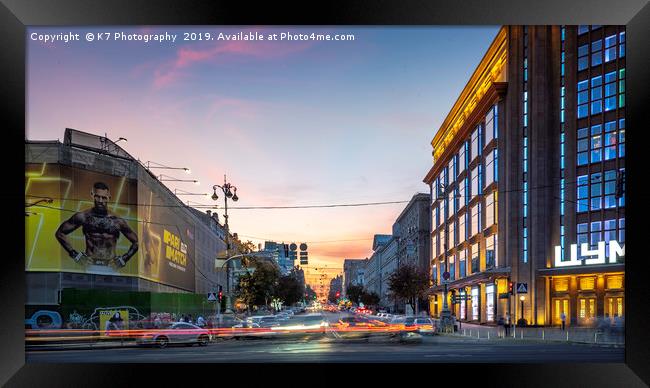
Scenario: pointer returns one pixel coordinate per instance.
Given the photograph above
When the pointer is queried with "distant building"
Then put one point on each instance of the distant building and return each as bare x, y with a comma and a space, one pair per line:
354, 273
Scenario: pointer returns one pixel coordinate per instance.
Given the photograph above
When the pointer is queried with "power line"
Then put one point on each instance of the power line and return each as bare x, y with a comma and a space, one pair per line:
296, 206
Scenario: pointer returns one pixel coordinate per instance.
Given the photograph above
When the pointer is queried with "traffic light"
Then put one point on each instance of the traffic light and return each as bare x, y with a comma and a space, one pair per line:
338, 294
510, 288
220, 293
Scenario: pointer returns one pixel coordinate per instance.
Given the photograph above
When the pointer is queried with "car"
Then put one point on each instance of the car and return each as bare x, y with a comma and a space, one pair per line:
282, 316
177, 333
425, 325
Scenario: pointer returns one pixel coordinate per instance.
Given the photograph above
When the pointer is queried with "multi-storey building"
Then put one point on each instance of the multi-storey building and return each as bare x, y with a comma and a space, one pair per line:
354, 271
167, 247
527, 180
413, 229
373, 275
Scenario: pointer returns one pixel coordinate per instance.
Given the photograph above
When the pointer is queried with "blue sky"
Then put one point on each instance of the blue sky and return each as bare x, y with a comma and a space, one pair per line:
290, 123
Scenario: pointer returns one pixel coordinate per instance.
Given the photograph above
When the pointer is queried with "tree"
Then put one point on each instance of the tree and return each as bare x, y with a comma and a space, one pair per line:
408, 282
354, 293
259, 286
309, 293
370, 298
289, 289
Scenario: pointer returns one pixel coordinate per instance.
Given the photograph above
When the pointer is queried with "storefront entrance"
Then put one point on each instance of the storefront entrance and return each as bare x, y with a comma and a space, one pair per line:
614, 306
561, 306
586, 310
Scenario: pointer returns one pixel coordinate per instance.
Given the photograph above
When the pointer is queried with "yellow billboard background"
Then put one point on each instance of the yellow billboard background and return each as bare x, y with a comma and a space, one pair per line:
69, 190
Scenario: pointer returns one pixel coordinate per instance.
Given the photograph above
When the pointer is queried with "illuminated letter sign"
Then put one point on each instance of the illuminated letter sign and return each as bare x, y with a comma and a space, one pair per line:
615, 251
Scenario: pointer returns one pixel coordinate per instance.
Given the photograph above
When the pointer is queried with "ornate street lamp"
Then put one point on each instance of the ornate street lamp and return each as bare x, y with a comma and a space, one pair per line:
229, 191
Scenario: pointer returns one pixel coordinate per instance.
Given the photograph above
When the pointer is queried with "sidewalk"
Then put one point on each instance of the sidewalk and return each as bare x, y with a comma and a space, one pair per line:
573, 334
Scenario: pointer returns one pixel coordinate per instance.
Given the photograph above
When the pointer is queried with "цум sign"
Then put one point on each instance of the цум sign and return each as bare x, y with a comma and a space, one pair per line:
615, 250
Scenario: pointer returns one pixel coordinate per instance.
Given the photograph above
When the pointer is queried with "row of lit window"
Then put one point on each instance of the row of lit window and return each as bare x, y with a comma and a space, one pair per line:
612, 48
595, 193
598, 145
466, 228
491, 260
594, 232
588, 283
468, 152
593, 102
562, 109
525, 149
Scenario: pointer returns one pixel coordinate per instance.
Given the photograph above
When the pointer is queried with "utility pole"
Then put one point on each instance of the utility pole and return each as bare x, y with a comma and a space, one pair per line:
445, 316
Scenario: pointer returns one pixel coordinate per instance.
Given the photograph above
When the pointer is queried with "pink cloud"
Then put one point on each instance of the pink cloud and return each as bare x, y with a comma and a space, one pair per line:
170, 72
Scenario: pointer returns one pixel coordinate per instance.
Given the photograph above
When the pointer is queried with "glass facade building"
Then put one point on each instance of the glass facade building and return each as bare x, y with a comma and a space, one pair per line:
537, 145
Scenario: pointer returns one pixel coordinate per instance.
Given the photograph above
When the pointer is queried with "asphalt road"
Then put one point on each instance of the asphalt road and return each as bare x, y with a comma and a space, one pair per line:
376, 349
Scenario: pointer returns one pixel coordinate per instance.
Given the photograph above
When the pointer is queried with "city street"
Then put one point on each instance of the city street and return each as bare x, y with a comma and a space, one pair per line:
331, 348
379, 349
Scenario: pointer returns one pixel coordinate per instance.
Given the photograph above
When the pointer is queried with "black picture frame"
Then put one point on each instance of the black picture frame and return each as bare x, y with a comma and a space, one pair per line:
16, 15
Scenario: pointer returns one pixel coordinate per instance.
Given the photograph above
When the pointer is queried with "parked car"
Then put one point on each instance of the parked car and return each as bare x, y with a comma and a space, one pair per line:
177, 333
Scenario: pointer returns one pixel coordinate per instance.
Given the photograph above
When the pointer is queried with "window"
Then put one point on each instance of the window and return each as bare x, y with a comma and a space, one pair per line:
596, 143
595, 235
583, 105
582, 234
442, 241
621, 46
452, 169
490, 210
443, 178
475, 304
462, 196
462, 157
452, 234
621, 88
475, 258
610, 91
609, 140
476, 181
621, 138
435, 189
490, 167
583, 57
610, 48
434, 245
461, 261
452, 268
610, 190
596, 191
476, 219
451, 200
596, 52
596, 95
490, 251
434, 273
582, 194
443, 204
491, 125
583, 146
476, 146
462, 235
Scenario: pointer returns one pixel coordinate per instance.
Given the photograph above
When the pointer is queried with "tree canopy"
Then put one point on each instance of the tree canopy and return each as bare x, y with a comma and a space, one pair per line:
408, 282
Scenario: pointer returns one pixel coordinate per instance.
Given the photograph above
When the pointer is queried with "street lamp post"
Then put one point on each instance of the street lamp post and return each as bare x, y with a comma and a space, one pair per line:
522, 298
446, 322
229, 191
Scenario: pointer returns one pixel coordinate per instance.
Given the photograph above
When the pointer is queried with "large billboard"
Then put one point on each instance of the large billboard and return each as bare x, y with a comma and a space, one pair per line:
80, 221
88, 222
167, 246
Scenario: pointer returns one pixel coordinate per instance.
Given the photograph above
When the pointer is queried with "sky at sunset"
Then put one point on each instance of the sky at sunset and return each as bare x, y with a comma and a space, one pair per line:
289, 122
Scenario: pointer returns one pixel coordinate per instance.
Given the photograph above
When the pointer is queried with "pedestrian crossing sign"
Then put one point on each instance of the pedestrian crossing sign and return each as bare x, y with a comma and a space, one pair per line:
522, 288
212, 297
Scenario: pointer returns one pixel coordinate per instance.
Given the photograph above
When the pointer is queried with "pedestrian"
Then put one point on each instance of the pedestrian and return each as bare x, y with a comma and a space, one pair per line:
563, 318
502, 322
157, 322
182, 318
189, 319
507, 324
200, 322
